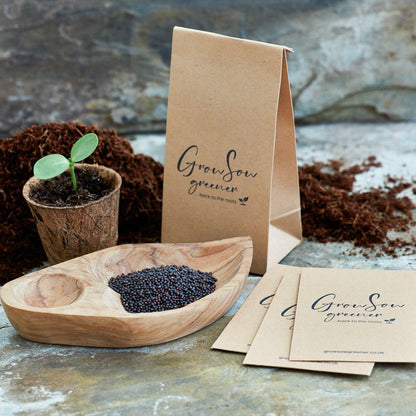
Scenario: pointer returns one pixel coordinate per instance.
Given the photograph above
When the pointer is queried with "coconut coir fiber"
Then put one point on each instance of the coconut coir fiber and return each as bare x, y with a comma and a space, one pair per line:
140, 199
332, 212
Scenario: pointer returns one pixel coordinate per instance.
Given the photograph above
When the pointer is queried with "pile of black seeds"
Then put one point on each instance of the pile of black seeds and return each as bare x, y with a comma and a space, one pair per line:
162, 288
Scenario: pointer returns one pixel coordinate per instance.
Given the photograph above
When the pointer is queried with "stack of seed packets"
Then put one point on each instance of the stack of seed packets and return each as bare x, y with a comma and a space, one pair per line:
331, 320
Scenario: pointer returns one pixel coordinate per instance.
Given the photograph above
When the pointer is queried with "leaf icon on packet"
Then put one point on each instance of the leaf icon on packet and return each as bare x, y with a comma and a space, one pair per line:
243, 200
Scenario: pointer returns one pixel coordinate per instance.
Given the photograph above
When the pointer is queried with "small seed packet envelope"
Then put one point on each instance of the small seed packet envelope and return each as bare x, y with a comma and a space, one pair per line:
230, 158
240, 331
271, 345
355, 315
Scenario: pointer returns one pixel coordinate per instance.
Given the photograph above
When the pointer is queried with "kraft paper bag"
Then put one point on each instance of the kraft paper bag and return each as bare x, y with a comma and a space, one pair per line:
241, 330
271, 345
230, 160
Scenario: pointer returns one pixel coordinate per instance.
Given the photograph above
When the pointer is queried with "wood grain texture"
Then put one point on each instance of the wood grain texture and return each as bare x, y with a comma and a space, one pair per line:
71, 303
68, 232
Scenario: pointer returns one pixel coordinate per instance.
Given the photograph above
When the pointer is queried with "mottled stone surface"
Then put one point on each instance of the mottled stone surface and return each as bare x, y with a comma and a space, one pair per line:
107, 62
184, 377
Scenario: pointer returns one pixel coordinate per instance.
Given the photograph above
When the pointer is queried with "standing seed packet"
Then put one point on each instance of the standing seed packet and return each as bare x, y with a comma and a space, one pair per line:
230, 161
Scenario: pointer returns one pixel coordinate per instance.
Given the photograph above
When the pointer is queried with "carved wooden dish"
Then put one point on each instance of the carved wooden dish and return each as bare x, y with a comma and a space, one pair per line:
71, 303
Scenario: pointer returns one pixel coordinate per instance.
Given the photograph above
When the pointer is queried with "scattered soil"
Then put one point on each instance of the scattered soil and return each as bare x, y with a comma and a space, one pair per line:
140, 195
59, 191
331, 211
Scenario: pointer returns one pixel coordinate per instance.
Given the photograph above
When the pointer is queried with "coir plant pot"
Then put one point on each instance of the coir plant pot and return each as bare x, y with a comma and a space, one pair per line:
68, 232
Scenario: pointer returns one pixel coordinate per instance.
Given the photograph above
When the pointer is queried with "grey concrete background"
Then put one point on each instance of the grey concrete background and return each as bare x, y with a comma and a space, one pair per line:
106, 62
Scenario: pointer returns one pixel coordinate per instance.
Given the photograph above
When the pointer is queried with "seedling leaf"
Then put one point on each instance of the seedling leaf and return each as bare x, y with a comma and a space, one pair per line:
84, 147
50, 166
53, 165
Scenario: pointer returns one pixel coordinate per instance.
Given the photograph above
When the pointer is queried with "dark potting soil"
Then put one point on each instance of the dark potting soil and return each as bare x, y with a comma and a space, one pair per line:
162, 288
59, 191
140, 194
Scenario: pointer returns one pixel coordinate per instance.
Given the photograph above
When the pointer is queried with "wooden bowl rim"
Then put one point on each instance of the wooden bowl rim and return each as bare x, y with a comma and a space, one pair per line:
241, 274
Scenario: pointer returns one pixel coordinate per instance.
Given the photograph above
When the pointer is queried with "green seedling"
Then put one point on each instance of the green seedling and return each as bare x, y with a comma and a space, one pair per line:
53, 165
